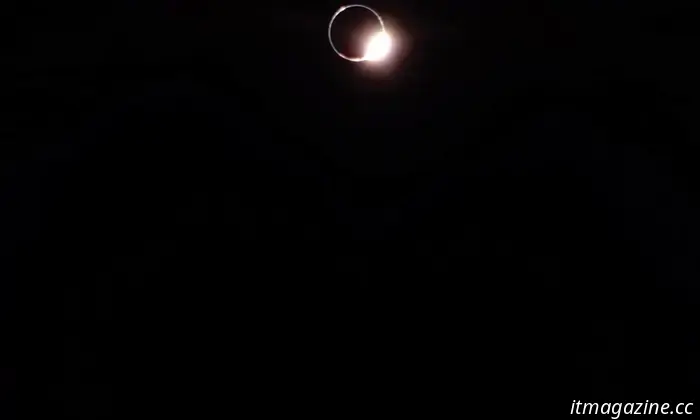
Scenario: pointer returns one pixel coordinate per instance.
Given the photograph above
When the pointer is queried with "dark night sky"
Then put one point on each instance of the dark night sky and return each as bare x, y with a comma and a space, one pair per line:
202, 206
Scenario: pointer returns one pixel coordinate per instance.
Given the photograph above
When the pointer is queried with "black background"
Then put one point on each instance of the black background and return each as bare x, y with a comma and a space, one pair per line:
203, 208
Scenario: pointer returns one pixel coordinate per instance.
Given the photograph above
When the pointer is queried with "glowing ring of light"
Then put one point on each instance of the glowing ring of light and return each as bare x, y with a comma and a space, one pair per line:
330, 25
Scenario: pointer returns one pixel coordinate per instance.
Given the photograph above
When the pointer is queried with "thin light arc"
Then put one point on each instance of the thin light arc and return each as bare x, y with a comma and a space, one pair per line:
330, 25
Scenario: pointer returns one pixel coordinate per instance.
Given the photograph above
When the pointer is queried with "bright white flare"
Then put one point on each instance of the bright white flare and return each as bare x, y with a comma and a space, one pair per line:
378, 47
